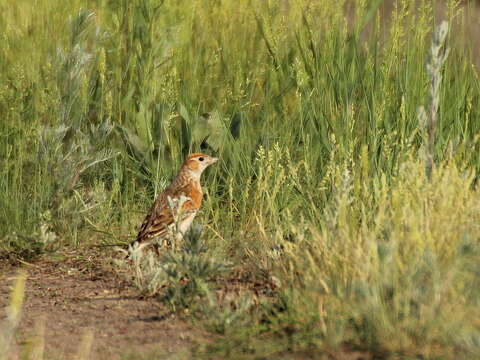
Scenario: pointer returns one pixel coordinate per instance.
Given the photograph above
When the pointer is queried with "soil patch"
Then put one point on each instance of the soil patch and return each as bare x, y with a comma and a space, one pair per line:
82, 304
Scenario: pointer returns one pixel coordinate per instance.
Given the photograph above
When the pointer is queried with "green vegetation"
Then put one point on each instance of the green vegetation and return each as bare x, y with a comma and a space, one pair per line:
356, 207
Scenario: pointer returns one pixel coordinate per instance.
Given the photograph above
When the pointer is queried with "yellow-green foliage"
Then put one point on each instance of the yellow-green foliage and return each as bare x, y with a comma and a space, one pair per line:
401, 268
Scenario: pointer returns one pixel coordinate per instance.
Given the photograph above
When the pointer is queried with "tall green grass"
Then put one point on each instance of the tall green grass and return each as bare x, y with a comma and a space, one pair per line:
313, 108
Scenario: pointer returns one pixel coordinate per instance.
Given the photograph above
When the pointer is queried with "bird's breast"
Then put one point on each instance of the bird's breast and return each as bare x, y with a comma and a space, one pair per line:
197, 196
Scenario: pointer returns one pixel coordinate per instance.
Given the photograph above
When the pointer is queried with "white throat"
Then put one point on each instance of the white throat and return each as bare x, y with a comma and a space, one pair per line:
194, 175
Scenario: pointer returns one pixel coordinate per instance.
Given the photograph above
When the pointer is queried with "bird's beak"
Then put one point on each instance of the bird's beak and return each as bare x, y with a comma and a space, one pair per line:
213, 160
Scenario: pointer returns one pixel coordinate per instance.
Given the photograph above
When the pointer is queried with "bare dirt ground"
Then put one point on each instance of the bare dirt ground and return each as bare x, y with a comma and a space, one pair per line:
80, 300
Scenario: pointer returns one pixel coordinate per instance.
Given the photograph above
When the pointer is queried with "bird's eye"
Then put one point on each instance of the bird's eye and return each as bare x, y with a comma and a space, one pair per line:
200, 158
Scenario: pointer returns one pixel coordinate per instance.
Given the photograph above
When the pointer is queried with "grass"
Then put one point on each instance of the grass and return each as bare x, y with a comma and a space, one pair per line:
348, 175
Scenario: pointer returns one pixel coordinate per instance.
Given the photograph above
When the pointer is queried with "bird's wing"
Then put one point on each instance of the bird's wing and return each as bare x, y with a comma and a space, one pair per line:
160, 216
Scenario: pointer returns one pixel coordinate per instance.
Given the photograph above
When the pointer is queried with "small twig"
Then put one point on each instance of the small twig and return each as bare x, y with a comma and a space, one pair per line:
108, 245
27, 263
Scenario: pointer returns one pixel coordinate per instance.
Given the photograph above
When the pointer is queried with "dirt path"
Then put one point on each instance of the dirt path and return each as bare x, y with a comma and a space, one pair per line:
78, 298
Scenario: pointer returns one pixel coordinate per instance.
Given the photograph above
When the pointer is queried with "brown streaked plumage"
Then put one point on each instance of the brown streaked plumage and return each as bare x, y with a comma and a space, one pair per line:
185, 187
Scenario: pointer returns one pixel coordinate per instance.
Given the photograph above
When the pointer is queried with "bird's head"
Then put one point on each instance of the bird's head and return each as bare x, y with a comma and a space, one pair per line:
198, 162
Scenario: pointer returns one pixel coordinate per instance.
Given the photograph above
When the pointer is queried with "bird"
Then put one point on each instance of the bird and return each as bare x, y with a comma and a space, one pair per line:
175, 208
